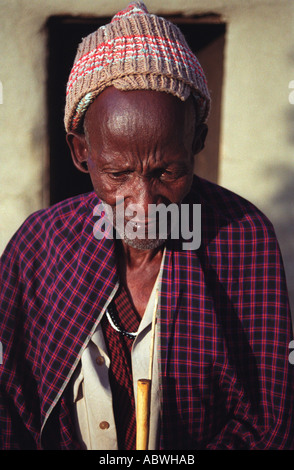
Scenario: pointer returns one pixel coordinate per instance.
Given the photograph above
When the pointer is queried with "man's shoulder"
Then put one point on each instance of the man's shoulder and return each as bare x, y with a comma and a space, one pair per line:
68, 206
222, 207
53, 224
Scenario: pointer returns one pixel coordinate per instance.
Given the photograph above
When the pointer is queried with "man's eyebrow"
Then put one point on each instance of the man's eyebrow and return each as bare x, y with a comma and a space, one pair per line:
117, 166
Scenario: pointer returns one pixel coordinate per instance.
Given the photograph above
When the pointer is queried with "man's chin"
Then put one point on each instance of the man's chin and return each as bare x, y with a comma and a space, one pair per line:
144, 244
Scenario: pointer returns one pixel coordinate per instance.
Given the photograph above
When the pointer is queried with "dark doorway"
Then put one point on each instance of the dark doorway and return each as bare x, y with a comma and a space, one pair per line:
205, 35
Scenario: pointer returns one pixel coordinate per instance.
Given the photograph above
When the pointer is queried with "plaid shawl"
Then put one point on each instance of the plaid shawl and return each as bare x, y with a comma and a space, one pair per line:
225, 327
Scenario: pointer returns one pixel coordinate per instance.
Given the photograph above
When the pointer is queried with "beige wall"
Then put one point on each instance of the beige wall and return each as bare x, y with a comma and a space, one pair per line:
257, 117
257, 158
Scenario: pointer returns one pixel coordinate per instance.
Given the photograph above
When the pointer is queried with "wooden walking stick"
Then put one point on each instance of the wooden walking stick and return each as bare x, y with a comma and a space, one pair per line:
144, 393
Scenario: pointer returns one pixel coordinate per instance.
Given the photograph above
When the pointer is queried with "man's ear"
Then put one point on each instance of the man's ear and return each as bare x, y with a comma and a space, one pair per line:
79, 150
199, 138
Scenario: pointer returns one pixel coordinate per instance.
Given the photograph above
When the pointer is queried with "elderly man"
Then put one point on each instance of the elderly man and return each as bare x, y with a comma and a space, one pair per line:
77, 304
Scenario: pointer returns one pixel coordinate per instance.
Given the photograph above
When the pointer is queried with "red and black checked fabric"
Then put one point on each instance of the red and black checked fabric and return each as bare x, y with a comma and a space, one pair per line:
225, 327
120, 373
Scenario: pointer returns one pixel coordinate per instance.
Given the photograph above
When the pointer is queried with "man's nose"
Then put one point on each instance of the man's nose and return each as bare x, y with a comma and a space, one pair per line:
143, 194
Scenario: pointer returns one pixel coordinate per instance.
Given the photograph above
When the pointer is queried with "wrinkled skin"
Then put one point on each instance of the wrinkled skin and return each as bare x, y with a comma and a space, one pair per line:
139, 147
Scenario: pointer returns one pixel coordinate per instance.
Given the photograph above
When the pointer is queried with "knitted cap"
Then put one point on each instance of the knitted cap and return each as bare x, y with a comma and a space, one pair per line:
136, 51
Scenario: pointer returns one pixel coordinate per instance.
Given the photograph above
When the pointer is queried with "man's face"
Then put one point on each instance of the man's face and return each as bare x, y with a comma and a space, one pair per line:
139, 150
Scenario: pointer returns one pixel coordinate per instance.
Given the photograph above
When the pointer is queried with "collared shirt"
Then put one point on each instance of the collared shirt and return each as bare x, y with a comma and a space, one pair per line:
93, 411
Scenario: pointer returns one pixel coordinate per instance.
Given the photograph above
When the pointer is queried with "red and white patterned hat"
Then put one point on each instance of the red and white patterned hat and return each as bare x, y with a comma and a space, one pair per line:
136, 51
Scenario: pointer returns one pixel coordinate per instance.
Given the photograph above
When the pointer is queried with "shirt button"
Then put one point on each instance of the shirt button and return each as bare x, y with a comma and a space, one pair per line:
104, 425
100, 360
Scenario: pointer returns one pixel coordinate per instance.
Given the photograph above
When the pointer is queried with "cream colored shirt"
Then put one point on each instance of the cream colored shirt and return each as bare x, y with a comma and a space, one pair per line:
92, 395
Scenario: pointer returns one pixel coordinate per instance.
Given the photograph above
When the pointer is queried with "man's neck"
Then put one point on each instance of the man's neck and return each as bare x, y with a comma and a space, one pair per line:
138, 270
134, 258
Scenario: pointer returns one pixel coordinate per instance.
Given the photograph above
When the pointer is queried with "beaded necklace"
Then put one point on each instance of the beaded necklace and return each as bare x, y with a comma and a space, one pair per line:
113, 320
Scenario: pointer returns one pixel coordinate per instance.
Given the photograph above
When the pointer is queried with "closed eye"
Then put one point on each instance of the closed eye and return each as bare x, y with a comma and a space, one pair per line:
119, 174
169, 174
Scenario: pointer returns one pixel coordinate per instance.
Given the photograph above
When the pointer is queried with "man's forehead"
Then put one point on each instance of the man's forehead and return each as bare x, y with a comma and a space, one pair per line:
139, 119
138, 103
